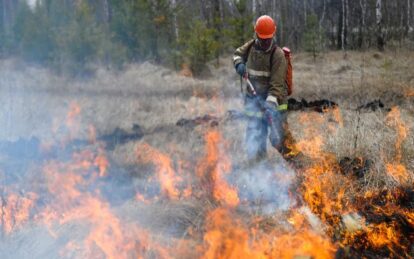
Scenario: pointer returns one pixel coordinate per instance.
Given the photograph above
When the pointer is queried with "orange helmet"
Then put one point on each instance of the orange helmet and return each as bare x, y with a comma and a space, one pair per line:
265, 27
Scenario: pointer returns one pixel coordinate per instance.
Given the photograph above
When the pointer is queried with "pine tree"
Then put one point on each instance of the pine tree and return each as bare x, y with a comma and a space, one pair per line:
241, 28
310, 40
200, 47
34, 37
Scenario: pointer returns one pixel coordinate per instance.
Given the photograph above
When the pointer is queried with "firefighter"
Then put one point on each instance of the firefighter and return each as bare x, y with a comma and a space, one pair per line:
264, 64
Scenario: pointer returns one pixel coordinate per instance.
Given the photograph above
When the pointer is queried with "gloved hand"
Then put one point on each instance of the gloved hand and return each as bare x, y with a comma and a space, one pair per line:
241, 69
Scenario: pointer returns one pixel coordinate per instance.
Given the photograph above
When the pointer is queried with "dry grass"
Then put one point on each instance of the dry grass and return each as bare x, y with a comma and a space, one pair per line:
36, 102
360, 78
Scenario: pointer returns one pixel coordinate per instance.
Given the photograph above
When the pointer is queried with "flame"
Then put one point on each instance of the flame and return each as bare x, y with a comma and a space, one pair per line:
229, 237
336, 112
140, 197
73, 200
92, 134
165, 172
311, 143
73, 113
325, 191
310, 147
15, 210
381, 235
394, 119
73, 196
409, 92
185, 70
303, 243
73, 119
396, 170
102, 163
214, 167
322, 187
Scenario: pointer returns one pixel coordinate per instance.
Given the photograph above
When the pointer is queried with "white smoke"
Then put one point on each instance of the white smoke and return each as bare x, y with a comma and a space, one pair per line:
264, 187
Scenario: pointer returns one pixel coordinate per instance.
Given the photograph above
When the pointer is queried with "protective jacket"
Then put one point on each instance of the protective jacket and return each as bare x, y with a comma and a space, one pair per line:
268, 76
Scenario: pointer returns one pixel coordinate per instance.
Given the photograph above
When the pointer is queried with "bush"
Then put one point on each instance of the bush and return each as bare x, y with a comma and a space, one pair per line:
241, 28
33, 34
200, 47
311, 41
112, 53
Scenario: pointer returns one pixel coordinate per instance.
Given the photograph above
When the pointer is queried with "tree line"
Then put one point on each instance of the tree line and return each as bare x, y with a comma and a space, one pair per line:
72, 35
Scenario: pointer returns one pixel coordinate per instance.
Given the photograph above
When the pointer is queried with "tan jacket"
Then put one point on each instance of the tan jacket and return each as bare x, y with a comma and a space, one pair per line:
267, 76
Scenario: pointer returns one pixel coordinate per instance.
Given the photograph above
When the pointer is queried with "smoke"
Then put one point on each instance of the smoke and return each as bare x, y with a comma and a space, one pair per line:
98, 168
64, 193
264, 187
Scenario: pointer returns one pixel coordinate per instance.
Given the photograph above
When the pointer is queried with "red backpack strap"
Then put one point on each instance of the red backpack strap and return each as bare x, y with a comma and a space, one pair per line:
289, 73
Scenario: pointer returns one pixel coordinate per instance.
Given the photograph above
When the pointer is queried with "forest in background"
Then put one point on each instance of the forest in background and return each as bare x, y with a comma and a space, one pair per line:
75, 35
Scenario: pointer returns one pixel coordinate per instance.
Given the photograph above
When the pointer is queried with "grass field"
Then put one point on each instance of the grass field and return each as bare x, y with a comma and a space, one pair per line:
52, 108
35, 101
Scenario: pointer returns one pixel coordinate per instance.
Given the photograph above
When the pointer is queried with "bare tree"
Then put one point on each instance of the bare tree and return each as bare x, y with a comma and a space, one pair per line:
203, 10
346, 17
106, 11
4, 15
305, 13
218, 19
380, 37
9, 10
363, 5
409, 28
343, 26
221, 10
273, 8
229, 4
254, 10
321, 22
173, 4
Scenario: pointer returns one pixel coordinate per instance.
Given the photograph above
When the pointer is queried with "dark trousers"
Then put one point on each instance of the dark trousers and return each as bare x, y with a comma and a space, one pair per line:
259, 127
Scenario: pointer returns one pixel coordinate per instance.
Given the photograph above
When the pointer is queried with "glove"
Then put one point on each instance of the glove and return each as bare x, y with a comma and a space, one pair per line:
241, 69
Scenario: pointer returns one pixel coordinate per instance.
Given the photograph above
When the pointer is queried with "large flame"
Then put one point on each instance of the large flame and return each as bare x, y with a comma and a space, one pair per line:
229, 236
166, 175
395, 169
212, 169
15, 210
327, 216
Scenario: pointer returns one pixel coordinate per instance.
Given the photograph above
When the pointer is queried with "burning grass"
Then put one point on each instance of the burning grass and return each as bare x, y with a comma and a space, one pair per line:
167, 191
